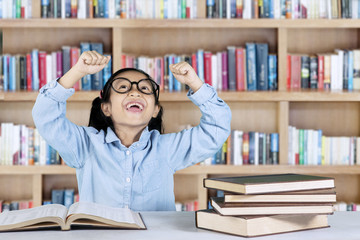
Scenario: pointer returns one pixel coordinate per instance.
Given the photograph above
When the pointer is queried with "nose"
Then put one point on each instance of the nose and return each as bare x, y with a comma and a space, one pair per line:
134, 91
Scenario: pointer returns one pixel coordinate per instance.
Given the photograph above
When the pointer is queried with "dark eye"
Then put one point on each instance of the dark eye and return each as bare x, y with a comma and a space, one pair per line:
123, 86
144, 88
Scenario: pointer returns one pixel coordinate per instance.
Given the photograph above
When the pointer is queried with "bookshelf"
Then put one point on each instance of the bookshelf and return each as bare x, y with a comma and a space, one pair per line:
336, 113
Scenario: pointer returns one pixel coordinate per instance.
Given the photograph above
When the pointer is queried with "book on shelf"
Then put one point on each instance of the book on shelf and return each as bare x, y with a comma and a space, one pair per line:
253, 208
316, 196
80, 214
269, 183
312, 147
252, 226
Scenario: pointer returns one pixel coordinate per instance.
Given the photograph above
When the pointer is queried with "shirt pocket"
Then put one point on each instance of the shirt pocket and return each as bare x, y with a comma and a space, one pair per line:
150, 176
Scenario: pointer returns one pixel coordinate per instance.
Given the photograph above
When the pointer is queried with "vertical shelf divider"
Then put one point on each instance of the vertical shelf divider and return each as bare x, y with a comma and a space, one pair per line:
282, 58
283, 123
37, 189
116, 48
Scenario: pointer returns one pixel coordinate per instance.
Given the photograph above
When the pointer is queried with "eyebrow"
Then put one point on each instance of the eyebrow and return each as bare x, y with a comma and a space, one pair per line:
130, 80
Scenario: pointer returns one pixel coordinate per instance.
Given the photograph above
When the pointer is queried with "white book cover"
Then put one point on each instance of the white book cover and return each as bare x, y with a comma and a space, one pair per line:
219, 71
81, 11
357, 143
315, 147
194, 9
340, 78
228, 9
329, 9
112, 9
63, 9
290, 145
234, 147
247, 9
26, 147
355, 9
214, 69
16, 145
43, 151
277, 9
9, 144
322, 9
2, 144
334, 59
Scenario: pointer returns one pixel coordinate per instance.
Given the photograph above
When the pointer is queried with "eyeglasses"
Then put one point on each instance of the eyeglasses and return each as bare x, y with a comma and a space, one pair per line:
145, 86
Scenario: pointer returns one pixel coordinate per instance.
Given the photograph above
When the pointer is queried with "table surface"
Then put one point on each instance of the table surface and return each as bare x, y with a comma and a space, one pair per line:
181, 225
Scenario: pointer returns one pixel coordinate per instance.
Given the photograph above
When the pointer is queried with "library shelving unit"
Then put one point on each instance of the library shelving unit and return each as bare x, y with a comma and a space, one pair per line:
336, 113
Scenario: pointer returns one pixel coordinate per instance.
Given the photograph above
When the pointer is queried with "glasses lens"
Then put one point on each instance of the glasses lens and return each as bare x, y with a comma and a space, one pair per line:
146, 86
121, 85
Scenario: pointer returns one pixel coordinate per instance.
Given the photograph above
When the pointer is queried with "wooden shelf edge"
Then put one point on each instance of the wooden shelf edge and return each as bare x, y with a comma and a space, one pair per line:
271, 169
230, 96
180, 23
199, 169
32, 170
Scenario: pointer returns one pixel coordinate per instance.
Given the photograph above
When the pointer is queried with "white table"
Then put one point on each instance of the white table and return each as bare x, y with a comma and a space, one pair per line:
181, 225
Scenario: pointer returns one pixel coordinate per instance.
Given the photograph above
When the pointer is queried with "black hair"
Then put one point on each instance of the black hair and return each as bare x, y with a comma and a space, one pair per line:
98, 119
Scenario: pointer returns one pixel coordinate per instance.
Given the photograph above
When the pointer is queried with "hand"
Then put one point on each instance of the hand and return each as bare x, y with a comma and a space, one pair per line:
91, 62
184, 73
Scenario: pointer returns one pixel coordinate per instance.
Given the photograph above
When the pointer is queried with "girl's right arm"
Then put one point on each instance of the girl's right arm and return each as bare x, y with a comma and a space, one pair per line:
50, 109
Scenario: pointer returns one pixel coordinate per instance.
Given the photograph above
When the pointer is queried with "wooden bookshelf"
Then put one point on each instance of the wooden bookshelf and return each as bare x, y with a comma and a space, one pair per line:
336, 113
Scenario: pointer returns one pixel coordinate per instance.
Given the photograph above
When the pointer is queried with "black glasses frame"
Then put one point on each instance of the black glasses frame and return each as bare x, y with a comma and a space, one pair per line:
154, 85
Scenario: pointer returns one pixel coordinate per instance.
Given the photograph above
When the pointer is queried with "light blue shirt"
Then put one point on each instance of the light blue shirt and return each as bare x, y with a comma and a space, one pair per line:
141, 176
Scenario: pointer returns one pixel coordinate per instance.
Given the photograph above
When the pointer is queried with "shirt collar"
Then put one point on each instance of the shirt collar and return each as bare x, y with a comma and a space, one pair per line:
144, 138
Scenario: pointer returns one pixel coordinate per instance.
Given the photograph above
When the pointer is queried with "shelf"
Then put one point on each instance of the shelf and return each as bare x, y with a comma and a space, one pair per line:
198, 169
271, 169
258, 96
179, 23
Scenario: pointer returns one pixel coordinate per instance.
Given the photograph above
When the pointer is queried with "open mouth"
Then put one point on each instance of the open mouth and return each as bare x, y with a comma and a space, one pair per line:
134, 107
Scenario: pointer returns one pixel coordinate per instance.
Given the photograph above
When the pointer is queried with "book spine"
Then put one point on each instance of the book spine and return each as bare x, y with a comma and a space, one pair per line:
97, 78
239, 59
272, 69
231, 68
224, 64
262, 66
207, 68
305, 72
251, 66
313, 72
274, 138
320, 72
42, 69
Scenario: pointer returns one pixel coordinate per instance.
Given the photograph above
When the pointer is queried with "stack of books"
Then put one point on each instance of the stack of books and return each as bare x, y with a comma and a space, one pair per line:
268, 204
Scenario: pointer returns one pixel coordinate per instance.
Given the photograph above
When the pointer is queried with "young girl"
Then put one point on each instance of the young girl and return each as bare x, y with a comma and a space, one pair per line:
122, 159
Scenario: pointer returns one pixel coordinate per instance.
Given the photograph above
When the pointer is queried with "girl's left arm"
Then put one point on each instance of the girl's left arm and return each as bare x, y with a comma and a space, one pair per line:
194, 145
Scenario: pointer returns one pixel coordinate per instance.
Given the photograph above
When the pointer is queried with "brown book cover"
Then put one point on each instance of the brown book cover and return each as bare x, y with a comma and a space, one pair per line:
253, 226
238, 209
319, 196
269, 183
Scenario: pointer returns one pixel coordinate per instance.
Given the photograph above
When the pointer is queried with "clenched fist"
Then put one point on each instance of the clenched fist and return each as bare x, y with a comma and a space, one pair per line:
184, 73
91, 62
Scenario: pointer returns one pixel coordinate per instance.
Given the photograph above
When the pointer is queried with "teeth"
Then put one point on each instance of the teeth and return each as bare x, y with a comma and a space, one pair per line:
134, 104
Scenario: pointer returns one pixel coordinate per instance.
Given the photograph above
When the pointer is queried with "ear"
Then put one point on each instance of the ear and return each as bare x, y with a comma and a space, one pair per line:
156, 111
105, 107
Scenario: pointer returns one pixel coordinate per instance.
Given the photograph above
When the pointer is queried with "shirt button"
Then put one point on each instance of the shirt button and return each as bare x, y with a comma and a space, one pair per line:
128, 152
128, 179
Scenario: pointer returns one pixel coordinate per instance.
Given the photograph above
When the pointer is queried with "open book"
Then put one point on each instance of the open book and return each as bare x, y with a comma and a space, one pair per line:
79, 214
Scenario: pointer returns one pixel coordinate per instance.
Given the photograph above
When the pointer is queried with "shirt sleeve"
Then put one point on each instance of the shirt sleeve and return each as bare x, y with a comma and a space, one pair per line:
48, 113
196, 144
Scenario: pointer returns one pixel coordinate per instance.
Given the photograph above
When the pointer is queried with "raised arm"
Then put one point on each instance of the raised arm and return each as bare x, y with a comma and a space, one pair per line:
49, 110
194, 145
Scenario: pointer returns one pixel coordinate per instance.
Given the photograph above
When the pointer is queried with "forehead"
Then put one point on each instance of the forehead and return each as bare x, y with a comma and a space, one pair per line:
133, 76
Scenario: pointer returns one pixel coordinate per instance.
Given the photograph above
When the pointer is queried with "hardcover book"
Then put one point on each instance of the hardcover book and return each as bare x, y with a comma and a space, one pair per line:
269, 183
252, 226
234, 209
82, 214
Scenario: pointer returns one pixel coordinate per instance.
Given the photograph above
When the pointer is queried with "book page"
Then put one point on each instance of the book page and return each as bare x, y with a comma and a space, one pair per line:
116, 214
19, 216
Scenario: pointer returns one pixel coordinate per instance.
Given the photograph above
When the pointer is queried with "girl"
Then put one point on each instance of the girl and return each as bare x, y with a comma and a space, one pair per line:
121, 159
